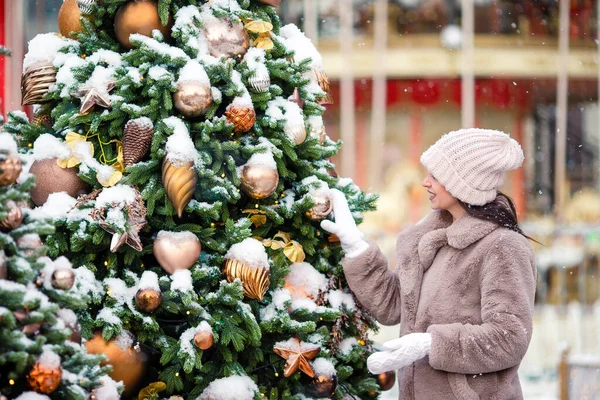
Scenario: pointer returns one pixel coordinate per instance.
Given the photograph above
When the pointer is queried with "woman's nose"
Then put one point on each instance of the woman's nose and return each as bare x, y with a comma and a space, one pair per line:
425, 183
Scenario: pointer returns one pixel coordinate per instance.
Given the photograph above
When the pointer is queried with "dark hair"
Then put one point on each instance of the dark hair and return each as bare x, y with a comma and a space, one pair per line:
500, 211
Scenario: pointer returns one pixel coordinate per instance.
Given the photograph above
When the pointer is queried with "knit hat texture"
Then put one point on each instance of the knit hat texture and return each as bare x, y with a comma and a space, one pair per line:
470, 163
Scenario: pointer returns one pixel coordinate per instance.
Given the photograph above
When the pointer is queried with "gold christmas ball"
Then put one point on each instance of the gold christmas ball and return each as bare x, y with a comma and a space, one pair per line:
176, 250
259, 181
63, 278
138, 16
296, 132
322, 386
10, 168
204, 340
386, 380
192, 99
148, 300
321, 209
13, 218
226, 38
30, 243
51, 178
260, 82
43, 379
128, 365
255, 279
69, 18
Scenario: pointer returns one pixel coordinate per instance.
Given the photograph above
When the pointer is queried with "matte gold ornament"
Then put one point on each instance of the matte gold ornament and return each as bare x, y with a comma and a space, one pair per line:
10, 168
69, 19
192, 99
259, 181
323, 82
51, 178
296, 132
386, 380
274, 3
13, 218
242, 118
148, 300
322, 207
226, 38
176, 250
138, 16
94, 96
137, 137
43, 379
127, 365
260, 82
297, 356
30, 243
255, 279
322, 386
180, 184
35, 82
204, 340
63, 278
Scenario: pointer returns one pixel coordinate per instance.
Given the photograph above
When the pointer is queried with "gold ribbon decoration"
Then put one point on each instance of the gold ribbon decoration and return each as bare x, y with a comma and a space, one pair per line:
72, 140
151, 391
258, 217
292, 249
263, 29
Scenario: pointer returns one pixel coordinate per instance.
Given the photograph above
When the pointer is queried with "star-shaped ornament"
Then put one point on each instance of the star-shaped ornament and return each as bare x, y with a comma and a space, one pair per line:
297, 354
93, 95
295, 98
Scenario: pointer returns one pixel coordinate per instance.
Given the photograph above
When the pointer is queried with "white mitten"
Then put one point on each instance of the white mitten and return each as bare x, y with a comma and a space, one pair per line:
344, 226
400, 352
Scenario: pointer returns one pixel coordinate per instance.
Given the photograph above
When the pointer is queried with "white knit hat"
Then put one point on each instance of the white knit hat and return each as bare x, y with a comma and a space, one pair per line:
470, 163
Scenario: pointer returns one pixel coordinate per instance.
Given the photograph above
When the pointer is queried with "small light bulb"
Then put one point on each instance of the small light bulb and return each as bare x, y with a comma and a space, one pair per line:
29, 145
276, 373
106, 263
108, 292
256, 206
11, 382
222, 175
188, 312
176, 373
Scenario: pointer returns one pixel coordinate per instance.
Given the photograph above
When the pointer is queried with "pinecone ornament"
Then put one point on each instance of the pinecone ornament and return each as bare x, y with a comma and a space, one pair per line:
137, 137
10, 168
242, 118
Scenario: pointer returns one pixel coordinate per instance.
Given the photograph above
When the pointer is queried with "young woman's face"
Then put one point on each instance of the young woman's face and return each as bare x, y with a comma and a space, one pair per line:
439, 197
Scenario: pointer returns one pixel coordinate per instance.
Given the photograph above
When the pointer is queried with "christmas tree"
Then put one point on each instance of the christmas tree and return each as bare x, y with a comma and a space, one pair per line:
180, 148
41, 355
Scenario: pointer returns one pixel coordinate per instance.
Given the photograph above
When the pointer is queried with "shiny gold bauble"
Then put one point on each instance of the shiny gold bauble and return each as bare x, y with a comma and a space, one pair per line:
322, 386
242, 118
63, 278
13, 218
255, 279
44, 380
259, 181
321, 209
192, 99
175, 253
148, 300
386, 380
51, 178
204, 340
260, 82
69, 18
30, 243
10, 168
296, 132
226, 38
180, 184
35, 83
138, 16
128, 365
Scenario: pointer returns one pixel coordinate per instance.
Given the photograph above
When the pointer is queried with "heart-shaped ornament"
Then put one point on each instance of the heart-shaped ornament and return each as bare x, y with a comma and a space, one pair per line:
176, 250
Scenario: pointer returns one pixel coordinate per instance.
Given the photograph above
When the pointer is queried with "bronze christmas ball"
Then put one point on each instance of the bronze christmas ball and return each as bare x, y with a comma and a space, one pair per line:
63, 278
43, 379
148, 300
69, 18
259, 181
204, 340
192, 99
127, 364
51, 178
13, 218
386, 380
30, 243
10, 168
226, 38
322, 386
138, 16
321, 209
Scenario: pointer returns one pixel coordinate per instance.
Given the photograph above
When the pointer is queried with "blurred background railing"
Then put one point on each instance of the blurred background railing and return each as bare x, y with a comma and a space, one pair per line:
406, 71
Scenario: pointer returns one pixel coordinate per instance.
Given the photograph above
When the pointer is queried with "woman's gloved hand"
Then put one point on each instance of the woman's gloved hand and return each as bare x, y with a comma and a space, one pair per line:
344, 226
400, 352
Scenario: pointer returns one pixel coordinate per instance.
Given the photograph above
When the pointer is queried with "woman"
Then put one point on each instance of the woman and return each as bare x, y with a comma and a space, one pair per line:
464, 286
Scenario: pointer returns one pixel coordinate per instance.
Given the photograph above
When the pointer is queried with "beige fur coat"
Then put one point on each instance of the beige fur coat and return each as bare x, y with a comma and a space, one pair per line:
470, 284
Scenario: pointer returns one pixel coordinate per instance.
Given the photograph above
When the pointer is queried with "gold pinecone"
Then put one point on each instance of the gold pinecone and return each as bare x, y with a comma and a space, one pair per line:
137, 137
242, 118
36, 82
